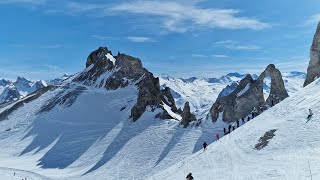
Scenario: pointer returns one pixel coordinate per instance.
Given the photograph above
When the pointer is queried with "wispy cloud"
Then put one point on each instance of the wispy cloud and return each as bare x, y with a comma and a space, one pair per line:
174, 15
235, 45
100, 37
220, 56
139, 39
30, 2
43, 72
180, 17
54, 46
314, 19
199, 56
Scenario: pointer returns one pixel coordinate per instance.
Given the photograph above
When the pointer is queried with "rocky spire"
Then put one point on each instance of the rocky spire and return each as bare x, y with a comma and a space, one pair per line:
187, 116
314, 64
249, 95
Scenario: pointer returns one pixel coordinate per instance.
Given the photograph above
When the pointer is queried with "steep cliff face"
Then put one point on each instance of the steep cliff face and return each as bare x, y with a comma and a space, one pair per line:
249, 95
314, 64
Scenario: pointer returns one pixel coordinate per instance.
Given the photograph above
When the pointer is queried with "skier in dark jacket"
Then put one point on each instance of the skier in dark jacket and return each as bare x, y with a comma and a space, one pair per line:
217, 136
310, 114
248, 118
189, 177
233, 128
225, 131
243, 121
238, 123
205, 146
229, 128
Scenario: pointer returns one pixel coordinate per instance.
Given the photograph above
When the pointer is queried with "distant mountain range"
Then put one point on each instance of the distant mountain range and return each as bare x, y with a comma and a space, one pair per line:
15, 90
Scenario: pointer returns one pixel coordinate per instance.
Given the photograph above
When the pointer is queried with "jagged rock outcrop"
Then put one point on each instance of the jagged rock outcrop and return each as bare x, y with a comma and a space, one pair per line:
249, 95
113, 72
10, 93
314, 64
167, 98
227, 90
187, 116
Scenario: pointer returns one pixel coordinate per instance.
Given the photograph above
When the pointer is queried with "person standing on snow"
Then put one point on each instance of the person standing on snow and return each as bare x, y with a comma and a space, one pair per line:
238, 123
217, 136
189, 177
225, 131
205, 146
243, 121
310, 114
229, 128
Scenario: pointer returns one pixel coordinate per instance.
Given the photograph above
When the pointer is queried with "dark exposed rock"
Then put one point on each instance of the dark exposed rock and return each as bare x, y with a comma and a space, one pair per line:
124, 70
277, 89
249, 95
227, 90
168, 99
264, 140
187, 116
97, 55
314, 64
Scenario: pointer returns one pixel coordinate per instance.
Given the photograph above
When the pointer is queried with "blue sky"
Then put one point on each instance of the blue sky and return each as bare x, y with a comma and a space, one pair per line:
42, 39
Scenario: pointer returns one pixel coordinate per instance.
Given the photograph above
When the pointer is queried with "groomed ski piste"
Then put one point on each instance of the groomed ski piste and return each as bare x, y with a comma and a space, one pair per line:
292, 153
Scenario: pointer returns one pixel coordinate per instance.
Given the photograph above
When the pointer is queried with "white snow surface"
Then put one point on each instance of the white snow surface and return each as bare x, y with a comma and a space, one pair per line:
94, 139
111, 58
293, 153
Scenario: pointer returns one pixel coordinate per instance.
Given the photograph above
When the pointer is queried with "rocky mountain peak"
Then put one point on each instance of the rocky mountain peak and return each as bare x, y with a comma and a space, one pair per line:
113, 72
314, 64
249, 95
96, 55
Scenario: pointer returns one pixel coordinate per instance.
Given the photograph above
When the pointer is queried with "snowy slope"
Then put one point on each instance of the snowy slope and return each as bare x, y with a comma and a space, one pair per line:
293, 153
94, 138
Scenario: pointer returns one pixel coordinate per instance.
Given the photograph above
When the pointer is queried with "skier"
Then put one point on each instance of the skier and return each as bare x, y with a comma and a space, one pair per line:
233, 128
189, 177
248, 118
243, 121
255, 112
217, 136
229, 128
272, 103
225, 131
205, 146
238, 123
310, 114
261, 109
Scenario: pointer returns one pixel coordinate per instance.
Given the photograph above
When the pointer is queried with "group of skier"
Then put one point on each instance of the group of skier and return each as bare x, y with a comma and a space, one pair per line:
254, 113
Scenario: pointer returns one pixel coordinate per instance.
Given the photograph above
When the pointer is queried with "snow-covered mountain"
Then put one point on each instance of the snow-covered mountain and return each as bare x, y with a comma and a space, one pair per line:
11, 91
59, 80
201, 93
279, 144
